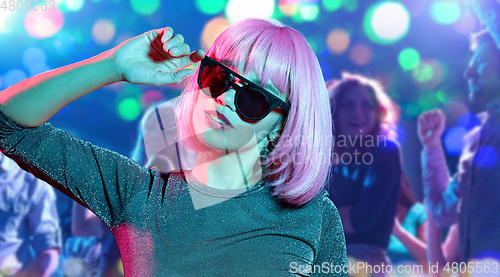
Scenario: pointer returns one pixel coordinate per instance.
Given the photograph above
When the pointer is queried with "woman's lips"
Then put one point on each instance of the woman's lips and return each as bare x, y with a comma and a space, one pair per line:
217, 120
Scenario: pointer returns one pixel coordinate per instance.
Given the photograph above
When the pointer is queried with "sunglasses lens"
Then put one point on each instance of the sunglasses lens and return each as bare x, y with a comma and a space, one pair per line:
253, 103
213, 80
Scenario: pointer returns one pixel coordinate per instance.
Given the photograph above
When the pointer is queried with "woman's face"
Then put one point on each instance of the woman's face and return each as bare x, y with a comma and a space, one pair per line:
356, 113
239, 134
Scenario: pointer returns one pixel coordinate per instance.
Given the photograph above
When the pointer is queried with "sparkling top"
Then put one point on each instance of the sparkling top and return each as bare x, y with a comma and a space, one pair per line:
171, 224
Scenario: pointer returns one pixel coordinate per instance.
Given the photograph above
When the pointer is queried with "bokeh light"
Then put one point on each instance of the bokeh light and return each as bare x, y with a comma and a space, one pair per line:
33, 56
210, 6
212, 29
361, 54
289, 7
408, 58
331, 5
338, 41
145, 7
386, 22
34, 59
453, 140
350, 5
309, 12
151, 97
442, 96
74, 5
64, 42
13, 77
4, 15
43, 24
468, 121
486, 156
445, 12
466, 24
241, 9
428, 74
103, 31
428, 100
129, 109
454, 109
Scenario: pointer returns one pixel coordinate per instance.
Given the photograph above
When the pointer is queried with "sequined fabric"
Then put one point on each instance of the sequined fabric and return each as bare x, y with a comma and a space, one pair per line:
159, 226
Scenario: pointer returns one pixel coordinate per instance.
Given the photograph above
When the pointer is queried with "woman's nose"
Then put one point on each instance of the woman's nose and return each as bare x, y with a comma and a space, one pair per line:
357, 111
227, 99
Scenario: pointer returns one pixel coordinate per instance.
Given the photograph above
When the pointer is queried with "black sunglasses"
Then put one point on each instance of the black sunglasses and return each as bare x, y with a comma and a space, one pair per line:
251, 100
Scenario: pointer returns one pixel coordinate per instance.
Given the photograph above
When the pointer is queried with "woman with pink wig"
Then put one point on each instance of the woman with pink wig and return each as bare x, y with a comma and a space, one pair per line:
254, 203
367, 171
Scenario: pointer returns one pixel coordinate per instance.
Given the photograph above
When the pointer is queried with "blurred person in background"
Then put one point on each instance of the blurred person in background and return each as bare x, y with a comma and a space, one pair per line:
440, 253
409, 235
30, 238
87, 224
367, 165
157, 142
472, 196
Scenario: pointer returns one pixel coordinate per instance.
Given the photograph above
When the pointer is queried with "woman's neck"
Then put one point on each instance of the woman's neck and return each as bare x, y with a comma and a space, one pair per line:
238, 169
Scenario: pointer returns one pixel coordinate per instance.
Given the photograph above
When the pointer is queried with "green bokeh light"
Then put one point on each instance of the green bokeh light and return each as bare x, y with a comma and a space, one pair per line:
210, 6
409, 58
350, 5
309, 12
442, 97
423, 73
332, 5
129, 109
74, 5
428, 101
278, 14
297, 18
445, 12
145, 7
412, 109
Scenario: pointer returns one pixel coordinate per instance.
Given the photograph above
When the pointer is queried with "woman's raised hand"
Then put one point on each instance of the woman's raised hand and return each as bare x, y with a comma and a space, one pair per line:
157, 57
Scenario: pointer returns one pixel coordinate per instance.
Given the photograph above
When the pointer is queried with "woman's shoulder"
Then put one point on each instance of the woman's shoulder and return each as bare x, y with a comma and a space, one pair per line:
324, 204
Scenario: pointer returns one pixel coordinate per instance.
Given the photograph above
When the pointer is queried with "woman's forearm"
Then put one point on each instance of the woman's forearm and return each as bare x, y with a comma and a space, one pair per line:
416, 247
435, 253
35, 100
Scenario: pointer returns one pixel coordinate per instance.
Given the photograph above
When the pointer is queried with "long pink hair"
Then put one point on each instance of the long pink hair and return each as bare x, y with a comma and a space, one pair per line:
281, 54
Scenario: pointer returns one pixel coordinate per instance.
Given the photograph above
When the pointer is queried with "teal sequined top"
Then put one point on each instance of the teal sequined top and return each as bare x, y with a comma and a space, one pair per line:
172, 225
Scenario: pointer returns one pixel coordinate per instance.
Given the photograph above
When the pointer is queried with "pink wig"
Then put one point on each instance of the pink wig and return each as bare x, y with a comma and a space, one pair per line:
387, 111
298, 166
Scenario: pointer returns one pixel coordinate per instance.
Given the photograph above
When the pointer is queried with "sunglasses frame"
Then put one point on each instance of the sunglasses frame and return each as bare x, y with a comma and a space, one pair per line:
274, 101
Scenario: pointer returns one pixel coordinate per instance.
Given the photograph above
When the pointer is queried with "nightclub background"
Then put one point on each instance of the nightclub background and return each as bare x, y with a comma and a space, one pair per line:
418, 49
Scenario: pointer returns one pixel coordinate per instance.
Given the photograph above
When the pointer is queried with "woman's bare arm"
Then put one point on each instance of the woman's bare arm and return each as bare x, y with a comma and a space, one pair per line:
155, 57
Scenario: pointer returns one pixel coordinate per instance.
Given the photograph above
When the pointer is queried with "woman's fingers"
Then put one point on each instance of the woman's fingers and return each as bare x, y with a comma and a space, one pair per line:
192, 58
186, 60
167, 34
174, 41
179, 50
